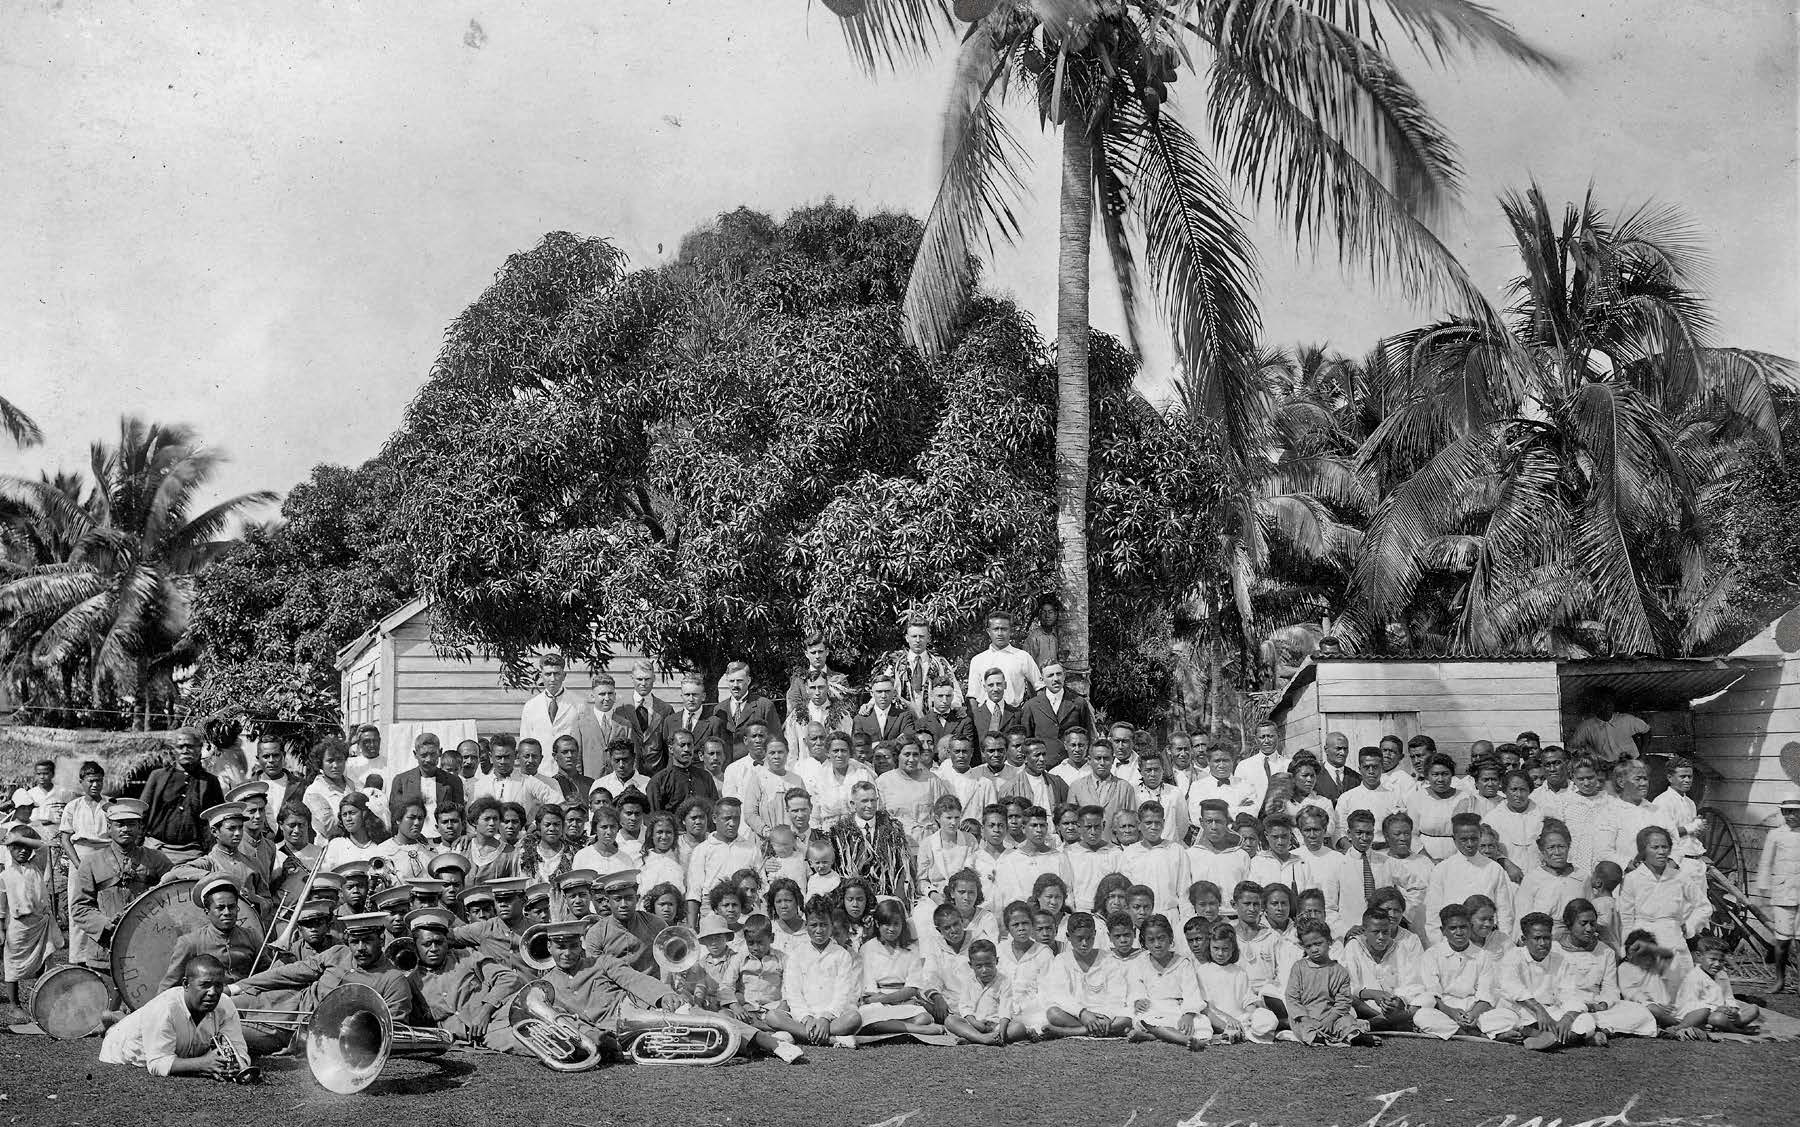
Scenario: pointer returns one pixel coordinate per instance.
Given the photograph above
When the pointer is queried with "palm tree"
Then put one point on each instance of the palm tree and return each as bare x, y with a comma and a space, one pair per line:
1550, 470
1306, 113
18, 425
112, 583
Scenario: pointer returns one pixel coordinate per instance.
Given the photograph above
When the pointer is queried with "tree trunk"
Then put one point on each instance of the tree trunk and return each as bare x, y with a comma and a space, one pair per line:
1072, 389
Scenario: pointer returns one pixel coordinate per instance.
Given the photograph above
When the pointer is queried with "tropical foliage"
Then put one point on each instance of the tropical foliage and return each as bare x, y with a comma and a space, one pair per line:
1547, 479
712, 458
99, 572
1306, 114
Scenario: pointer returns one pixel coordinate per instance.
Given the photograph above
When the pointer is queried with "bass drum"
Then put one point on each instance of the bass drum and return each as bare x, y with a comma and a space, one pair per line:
144, 940
69, 1002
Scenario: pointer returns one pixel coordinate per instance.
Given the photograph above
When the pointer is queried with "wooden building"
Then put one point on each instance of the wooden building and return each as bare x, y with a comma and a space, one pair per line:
390, 675
1749, 735
1458, 700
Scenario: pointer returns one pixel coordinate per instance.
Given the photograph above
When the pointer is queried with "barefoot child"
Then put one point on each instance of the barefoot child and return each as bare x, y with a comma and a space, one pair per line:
1319, 999
1234, 1004
983, 1013
893, 977
1705, 1001
1459, 977
1084, 990
1167, 1003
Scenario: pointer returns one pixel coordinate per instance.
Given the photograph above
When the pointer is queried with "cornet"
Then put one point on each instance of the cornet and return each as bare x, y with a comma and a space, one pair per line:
233, 1069
550, 1031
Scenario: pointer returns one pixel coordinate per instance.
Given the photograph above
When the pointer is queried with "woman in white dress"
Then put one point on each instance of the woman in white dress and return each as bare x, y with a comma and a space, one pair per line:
786, 919
356, 839
1517, 821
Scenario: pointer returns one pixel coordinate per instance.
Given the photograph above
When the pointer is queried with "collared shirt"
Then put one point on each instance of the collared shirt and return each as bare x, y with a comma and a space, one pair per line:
1460, 978
1021, 671
528, 791
323, 797
84, 820
163, 1031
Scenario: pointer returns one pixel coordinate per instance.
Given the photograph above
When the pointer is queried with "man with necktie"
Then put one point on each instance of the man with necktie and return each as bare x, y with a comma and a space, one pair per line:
915, 668
559, 711
695, 717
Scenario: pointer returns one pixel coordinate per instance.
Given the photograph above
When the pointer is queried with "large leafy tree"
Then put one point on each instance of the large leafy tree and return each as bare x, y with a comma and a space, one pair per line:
1549, 475
111, 580
1306, 114
270, 616
711, 458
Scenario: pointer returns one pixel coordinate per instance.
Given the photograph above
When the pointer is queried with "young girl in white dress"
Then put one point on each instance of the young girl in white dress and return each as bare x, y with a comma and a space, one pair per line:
785, 918
1234, 1005
893, 977
1024, 961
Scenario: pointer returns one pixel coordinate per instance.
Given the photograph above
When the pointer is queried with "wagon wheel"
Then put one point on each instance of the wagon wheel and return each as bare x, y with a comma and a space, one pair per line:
1735, 922
1721, 841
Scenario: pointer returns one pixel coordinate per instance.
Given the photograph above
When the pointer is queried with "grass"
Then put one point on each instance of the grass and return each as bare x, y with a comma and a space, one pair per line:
1073, 1082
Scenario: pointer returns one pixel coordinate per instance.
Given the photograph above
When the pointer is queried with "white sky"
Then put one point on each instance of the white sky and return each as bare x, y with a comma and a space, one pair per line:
257, 217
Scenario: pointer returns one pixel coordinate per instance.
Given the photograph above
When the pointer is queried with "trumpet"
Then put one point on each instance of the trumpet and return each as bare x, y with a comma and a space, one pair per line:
550, 1031
232, 1068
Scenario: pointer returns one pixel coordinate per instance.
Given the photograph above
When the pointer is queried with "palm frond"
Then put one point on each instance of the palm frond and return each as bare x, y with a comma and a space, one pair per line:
1417, 510
22, 428
894, 32
1440, 28
981, 177
1200, 263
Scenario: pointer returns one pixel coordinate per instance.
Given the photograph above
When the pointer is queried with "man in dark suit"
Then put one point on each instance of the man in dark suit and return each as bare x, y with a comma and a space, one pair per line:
942, 718
694, 717
644, 712
1054, 712
174, 797
408, 785
1336, 776
737, 709
883, 718
994, 714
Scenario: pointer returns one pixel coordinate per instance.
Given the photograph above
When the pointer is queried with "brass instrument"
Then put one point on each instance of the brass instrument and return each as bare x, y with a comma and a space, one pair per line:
350, 1036
549, 1031
654, 1037
232, 1069
403, 953
534, 949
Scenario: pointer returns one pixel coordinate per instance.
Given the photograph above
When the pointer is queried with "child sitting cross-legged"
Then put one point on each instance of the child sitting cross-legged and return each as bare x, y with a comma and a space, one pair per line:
1084, 991
1459, 976
1234, 1004
1705, 1000
1320, 1003
1167, 1003
981, 1012
1385, 981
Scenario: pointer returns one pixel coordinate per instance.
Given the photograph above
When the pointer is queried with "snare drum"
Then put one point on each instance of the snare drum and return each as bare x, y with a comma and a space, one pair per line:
69, 1002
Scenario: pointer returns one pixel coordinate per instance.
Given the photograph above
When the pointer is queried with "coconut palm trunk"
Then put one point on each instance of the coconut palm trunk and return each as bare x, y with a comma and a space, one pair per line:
1072, 431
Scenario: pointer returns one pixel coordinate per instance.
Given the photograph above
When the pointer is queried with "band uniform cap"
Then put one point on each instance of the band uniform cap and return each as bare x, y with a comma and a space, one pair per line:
390, 899
538, 891
247, 790
24, 835
576, 878
509, 886
565, 929
428, 886
22, 797
450, 861
366, 921
476, 894
351, 869
223, 812
127, 810
317, 909
712, 923
1791, 802
211, 885
430, 919
329, 882
619, 881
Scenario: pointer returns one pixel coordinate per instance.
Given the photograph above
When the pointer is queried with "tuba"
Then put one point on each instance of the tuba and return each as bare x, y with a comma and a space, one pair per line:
550, 1031
656, 1037
676, 950
350, 1036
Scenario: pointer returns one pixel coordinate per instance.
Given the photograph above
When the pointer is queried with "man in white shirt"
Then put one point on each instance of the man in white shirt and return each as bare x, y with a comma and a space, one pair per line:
724, 852
84, 827
738, 771
816, 708
1609, 735
1221, 783
505, 785
175, 1033
915, 669
327, 792
1217, 855
1356, 874
1075, 752
975, 791
1554, 790
1268, 761
556, 711
1022, 674
47, 799
1151, 788
1159, 863
271, 768
1379, 799
365, 755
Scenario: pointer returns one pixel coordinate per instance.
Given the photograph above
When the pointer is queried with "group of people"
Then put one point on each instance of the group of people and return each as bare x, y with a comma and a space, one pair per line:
958, 858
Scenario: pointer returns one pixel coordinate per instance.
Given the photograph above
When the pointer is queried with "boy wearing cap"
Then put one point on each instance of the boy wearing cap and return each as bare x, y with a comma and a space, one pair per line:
361, 959
226, 823
29, 912
1778, 882
259, 846
235, 946
106, 881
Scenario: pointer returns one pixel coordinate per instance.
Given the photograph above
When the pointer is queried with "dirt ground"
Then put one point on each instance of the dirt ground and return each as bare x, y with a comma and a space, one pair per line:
1098, 1085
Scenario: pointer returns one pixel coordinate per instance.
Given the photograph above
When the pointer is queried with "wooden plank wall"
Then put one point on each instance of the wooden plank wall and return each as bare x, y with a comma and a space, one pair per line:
1457, 702
1300, 729
439, 688
1746, 733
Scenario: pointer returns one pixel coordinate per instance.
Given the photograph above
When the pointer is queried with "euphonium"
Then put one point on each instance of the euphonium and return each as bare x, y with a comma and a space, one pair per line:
549, 1031
403, 953
656, 1037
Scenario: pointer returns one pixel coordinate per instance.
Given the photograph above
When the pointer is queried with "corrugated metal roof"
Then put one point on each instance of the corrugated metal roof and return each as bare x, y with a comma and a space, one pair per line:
1655, 682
